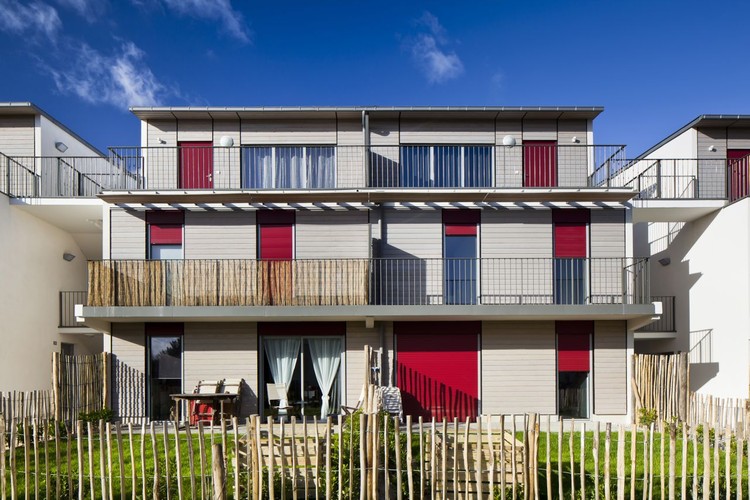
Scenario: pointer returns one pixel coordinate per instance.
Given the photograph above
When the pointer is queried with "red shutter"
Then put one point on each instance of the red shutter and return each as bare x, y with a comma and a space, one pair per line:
574, 345
570, 233
739, 178
196, 165
461, 222
165, 227
540, 163
437, 368
276, 241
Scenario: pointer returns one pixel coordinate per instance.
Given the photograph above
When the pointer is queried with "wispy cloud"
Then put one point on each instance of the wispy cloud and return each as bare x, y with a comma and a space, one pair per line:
221, 11
35, 19
121, 79
88, 9
430, 52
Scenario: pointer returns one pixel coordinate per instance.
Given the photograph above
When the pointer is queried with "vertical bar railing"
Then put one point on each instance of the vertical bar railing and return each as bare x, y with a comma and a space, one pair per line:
68, 301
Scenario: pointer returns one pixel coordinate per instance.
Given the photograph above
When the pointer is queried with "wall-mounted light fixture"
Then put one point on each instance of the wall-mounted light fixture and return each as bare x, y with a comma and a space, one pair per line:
161, 141
665, 261
509, 141
67, 256
226, 141
712, 148
61, 146
575, 140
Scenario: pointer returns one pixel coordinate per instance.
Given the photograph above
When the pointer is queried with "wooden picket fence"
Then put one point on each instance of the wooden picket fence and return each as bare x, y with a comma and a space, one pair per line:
20, 405
661, 383
371, 457
80, 384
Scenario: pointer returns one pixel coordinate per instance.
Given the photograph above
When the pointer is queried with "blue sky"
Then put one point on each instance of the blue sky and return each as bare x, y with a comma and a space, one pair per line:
654, 65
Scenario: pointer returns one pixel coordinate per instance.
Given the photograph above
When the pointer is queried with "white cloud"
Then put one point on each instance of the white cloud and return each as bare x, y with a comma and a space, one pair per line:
232, 21
32, 19
122, 79
88, 9
428, 50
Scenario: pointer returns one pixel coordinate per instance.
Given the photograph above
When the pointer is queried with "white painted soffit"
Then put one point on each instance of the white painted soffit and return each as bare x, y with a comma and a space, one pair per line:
343, 206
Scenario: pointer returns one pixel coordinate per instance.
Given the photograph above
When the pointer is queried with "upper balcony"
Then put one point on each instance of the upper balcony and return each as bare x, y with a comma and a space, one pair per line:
683, 189
487, 288
530, 167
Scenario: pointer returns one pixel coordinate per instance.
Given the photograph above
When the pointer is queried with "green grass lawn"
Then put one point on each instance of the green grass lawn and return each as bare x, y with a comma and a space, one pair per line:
49, 474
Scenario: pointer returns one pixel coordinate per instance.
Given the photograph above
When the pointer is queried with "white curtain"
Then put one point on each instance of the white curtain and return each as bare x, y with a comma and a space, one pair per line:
282, 354
321, 164
258, 165
326, 358
290, 168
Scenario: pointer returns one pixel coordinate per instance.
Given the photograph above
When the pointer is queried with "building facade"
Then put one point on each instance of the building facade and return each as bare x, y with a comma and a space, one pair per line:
691, 214
47, 233
481, 252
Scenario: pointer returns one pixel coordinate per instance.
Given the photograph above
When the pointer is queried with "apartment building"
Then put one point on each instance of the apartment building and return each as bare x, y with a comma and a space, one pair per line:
482, 252
47, 234
691, 216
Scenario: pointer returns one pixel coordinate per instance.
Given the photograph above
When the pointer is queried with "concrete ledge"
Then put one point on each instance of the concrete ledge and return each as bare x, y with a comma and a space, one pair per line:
94, 315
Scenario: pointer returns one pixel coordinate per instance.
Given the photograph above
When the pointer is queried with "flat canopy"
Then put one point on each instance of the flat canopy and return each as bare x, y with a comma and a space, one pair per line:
310, 112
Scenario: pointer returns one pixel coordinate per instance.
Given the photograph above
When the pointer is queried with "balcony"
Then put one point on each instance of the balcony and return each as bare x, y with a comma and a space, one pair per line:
63, 177
533, 282
322, 167
664, 327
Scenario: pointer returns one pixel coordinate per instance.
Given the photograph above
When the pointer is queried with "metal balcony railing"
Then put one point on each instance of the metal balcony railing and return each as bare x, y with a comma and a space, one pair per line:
666, 322
68, 301
333, 282
685, 178
352, 167
69, 177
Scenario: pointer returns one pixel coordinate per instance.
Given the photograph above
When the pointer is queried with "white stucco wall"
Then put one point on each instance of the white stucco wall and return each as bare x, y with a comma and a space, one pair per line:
32, 272
50, 133
684, 145
709, 275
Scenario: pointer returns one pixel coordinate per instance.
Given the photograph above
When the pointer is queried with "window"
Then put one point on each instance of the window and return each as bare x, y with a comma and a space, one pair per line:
573, 367
460, 256
164, 368
446, 166
308, 366
300, 167
67, 349
570, 229
165, 235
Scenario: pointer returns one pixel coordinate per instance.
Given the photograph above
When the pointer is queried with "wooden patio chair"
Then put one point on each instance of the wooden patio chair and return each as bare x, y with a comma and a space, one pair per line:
278, 392
233, 386
204, 411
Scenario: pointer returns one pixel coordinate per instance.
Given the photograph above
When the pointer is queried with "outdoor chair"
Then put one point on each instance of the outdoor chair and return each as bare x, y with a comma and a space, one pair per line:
277, 392
204, 411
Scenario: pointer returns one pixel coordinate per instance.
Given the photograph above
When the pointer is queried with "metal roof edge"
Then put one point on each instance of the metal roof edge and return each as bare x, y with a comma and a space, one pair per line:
37, 110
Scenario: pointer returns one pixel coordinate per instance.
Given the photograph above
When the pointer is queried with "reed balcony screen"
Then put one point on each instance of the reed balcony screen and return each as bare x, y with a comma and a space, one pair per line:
310, 167
356, 282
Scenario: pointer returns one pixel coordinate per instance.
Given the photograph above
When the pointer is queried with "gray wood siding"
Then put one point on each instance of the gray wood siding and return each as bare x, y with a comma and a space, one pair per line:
606, 240
712, 179
195, 130
350, 159
738, 138
332, 235
271, 131
516, 234
572, 158
508, 161
426, 131
413, 234
540, 130
17, 135
220, 235
129, 371
127, 234
518, 367
610, 368
214, 351
160, 160
227, 160
357, 337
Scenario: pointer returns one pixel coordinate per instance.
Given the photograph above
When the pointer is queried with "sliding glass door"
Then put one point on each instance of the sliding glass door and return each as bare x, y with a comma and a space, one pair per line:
308, 369
164, 374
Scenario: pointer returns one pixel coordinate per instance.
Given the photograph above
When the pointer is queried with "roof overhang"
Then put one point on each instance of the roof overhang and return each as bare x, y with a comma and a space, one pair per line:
721, 121
313, 112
